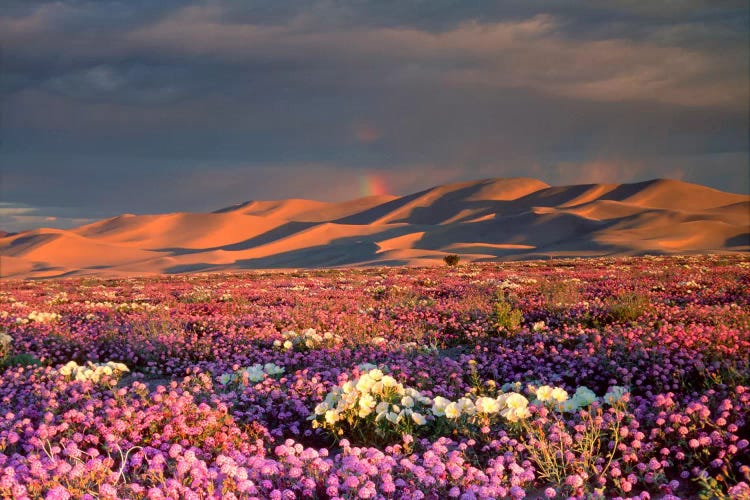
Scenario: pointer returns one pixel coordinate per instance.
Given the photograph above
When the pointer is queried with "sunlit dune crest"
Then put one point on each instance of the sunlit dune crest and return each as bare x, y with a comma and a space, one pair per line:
490, 219
307, 210
405, 241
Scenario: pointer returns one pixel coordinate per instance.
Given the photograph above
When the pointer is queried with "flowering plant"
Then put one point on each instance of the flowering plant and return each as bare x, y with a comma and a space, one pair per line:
5, 343
474, 415
376, 409
573, 439
254, 373
94, 372
373, 409
38, 317
305, 340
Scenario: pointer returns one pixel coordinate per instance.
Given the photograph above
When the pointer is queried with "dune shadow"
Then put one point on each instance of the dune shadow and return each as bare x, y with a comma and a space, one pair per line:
480, 248
552, 196
334, 254
345, 251
37, 239
233, 208
275, 234
383, 263
561, 195
449, 205
443, 207
625, 191
372, 214
201, 267
23, 239
741, 240
535, 230
46, 267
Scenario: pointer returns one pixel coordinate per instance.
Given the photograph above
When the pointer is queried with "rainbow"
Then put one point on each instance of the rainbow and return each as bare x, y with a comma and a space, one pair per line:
373, 184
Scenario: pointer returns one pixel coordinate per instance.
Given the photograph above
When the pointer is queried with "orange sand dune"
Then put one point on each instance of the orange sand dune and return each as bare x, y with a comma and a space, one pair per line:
605, 209
443, 204
737, 214
179, 229
400, 242
506, 189
594, 193
673, 236
308, 210
677, 195
489, 219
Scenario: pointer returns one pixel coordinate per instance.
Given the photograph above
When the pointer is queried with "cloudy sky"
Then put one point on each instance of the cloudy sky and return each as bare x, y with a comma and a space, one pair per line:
141, 106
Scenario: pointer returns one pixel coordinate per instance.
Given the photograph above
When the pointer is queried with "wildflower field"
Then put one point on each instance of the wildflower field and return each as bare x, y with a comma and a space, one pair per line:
587, 378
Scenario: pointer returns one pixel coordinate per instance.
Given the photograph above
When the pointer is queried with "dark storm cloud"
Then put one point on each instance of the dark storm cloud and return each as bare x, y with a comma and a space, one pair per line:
155, 106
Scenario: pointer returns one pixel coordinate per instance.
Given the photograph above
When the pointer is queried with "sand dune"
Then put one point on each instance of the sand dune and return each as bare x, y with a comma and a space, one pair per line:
676, 195
517, 218
307, 210
406, 241
65, 249
183, 230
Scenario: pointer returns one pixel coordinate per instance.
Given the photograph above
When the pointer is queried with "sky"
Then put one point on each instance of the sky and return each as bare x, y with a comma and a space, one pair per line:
136, 106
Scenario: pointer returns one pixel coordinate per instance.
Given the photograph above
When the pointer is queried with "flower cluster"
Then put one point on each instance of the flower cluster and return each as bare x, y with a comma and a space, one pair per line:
38, 317
198, 294
305, 340
59, 298
512, 406
5, 344
254, 373
538, 326
615, 394
126, 307
559, 399
374, 407
95, 372
376, 404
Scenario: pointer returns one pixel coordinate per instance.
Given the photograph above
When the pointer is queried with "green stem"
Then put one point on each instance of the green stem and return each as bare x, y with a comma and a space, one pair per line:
617, 442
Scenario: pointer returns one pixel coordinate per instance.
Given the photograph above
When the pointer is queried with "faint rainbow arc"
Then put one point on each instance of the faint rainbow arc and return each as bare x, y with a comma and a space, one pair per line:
373, 185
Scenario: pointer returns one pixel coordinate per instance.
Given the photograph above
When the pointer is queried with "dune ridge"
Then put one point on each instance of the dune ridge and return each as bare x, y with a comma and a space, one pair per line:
489, 219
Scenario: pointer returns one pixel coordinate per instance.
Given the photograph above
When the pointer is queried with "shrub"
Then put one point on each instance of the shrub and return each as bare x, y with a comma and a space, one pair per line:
23, 359
451, 259
628, 307
505, 317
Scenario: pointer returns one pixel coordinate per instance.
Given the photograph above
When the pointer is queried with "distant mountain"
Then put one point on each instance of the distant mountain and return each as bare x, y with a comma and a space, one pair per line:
490, 219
